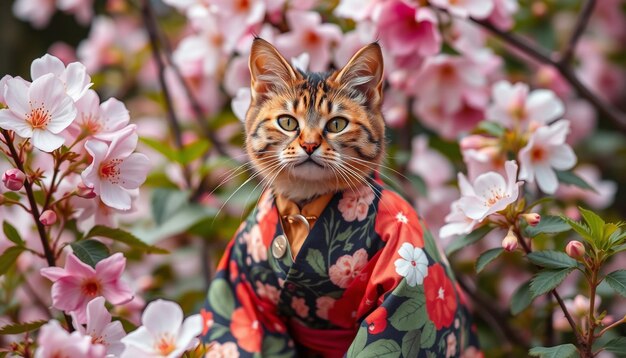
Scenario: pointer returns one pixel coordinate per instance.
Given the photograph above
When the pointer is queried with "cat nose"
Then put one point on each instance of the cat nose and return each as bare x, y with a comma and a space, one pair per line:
309, 147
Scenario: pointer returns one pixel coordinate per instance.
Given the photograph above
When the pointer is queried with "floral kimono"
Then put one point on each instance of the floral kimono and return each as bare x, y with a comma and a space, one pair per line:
368, 281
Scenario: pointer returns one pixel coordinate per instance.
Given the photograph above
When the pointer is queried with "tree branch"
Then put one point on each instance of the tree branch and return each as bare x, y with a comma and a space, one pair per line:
579, 28
151, 27
605, 109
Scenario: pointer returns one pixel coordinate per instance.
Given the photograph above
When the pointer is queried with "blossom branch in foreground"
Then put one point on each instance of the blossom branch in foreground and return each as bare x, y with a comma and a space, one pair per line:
612, 113
579, 28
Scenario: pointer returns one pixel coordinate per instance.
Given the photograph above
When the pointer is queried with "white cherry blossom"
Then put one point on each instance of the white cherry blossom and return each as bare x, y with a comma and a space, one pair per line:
100, 328
490, 193
163, 332
74, 76
546, 150
115, 169
38, 110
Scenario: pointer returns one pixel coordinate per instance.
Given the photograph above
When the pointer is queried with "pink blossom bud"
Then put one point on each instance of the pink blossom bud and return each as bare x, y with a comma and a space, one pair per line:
532, 218
48, 217
85, 191
13, 179
476, 141
510, 241
575, 249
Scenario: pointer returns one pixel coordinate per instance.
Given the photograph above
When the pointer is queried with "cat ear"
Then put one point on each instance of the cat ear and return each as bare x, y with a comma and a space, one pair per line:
269, 70
364, 72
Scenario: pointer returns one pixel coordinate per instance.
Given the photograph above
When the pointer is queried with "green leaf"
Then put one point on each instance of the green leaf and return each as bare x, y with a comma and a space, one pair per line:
617, 280
124, 237
521, 299
11, 233
411, 314
552, 259
569, 177
17, 328
193, 151
382, 348
221, 298
595, 222
469, 239
358, 343
8, 258
617, 346
429, 243
164, 148
547, 280
90, 251
580, 228
492, 128
562, 351
273, 345
547, 225
315, 258
166, 203
411, 343
429, 334
486, 257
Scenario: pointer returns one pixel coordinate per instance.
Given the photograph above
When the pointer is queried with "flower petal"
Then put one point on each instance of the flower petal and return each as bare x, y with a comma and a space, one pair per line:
46, 141
117, 292
47, 64
97, 316
53, 273
192, 327
544, 106
114, 196
77, 268
114, 114
134, 170
77, 81
546, 179
140, 338
67, 296
10, 121
562, 157
162, 316
111, 268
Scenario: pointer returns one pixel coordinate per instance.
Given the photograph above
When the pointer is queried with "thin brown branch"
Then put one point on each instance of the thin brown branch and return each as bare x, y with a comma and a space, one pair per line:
198, 112
34, 209
579, 28
151, 26
614, 115
493, 314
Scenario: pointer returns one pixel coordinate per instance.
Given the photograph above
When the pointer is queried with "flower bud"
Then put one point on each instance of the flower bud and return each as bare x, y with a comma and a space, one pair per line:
85, 191
575, 249
510, 241
13, 179
48, 217
532, 218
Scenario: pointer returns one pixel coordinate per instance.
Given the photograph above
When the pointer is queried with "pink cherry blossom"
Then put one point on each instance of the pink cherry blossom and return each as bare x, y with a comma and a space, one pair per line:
435, 206
100, 328
502, 14
54, 341
82, 9
244, 12
241, 102
163, 333
74, 77
100, 121
490, 193
37, 12
514, 105
394, 109
434, 168
546, 150
352, 41
39, 111
582, 119
96, 51
76, 284
357, 10
478, 9
451, 122
308, 34
406, 29
347, 268
115, 169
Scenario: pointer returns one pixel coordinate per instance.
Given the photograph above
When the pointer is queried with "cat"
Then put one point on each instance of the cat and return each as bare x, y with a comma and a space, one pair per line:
330, 263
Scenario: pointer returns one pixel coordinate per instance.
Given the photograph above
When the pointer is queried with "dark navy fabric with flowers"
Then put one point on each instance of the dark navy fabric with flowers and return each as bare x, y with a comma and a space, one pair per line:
368, 281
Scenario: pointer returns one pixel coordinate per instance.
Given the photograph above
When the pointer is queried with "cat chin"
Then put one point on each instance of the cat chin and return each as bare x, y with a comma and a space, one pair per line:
297, 189
311, 171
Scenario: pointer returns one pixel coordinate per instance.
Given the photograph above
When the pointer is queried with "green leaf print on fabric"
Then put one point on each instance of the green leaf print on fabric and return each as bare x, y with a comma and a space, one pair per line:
411, 343
410, 315
384, 348
221, 298
358, 344
315, 258
218, 331
429, 334
273, 346
404, 290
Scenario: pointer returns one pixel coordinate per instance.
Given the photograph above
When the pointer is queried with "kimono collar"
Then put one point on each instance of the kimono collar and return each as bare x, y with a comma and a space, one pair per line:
294, 228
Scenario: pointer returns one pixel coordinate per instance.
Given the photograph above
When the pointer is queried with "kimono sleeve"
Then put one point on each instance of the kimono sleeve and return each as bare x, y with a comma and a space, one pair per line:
418, 311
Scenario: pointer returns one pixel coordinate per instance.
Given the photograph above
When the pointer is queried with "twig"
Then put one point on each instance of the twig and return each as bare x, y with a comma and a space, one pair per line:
607, 110
579, 28
195, 104
497, 318
612, 325
34, 210
151, 27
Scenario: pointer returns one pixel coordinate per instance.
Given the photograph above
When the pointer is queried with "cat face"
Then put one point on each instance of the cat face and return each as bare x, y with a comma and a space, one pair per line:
312, 133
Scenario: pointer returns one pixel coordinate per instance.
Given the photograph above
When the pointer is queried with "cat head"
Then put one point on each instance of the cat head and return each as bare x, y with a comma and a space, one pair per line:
309, 134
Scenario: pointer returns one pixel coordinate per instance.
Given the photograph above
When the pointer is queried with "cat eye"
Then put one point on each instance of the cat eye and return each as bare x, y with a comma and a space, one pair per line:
336, 125
288, 123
